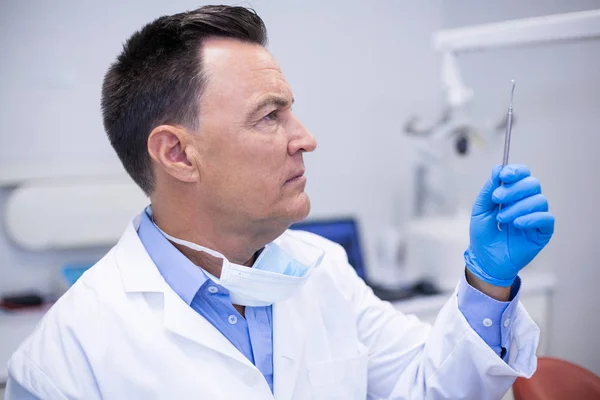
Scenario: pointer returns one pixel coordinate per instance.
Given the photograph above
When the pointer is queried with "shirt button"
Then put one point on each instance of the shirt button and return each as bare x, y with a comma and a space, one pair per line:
487, 322
506, 322
232, 319
212, 289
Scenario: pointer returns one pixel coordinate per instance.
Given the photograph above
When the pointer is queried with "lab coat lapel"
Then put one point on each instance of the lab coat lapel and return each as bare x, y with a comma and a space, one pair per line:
182, 320
288, 345
140, 275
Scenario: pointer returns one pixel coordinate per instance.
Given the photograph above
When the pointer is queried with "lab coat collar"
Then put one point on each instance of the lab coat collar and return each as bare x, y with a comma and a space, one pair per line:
138, 272
140, 275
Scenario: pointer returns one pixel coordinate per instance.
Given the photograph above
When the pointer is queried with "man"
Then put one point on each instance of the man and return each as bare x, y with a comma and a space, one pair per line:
208, 296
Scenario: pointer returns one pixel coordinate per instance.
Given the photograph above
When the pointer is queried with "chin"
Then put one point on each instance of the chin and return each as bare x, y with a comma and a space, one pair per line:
300, 208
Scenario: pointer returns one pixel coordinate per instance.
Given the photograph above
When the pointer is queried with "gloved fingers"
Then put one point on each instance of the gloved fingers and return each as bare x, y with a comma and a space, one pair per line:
509, 193
543, 221
514, 172
484, 202
523, 207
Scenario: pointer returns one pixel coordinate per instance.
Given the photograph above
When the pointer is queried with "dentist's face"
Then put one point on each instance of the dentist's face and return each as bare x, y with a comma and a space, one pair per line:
250, 144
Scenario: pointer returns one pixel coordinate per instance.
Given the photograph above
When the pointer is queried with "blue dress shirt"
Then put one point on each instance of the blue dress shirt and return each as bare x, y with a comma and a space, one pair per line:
252, 335
490, 318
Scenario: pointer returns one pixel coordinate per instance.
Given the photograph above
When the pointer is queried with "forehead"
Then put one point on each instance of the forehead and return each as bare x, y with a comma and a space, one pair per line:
240, 74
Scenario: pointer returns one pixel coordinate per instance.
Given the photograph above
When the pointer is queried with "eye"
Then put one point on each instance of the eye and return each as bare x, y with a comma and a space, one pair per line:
272, 116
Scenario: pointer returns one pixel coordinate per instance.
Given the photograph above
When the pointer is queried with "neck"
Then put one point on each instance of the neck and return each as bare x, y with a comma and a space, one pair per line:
188, 222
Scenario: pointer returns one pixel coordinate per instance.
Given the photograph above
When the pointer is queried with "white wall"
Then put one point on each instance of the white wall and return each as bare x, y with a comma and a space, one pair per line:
357, 72
557, 104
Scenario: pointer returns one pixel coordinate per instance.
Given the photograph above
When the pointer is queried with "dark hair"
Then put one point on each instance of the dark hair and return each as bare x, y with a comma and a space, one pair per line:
158, 79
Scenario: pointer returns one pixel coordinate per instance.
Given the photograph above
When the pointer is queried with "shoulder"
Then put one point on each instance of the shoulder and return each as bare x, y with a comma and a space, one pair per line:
57, 347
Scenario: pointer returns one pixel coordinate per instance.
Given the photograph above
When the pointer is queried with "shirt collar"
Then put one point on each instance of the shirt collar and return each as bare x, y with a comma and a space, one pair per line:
183, 276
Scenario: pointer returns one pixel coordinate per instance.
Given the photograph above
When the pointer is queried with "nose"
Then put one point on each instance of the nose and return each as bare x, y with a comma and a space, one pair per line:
302, 140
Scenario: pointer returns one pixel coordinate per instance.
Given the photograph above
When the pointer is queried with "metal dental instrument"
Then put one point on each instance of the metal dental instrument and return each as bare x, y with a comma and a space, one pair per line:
507, 137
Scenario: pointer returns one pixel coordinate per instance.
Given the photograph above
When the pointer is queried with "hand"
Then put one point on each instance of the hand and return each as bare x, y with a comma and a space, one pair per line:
495, 256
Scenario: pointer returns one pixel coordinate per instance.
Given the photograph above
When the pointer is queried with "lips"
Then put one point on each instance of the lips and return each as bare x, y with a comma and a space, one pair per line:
296, 175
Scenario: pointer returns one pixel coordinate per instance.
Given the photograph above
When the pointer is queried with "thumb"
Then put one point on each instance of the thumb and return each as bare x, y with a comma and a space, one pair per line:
484, 202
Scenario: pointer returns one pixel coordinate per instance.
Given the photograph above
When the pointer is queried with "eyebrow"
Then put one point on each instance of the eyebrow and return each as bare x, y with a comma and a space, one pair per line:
272, 100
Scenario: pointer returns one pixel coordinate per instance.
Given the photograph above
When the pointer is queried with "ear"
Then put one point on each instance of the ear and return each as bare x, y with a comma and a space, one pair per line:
171, 149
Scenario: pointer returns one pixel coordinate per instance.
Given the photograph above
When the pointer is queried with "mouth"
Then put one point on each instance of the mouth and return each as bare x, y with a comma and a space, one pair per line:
298, 176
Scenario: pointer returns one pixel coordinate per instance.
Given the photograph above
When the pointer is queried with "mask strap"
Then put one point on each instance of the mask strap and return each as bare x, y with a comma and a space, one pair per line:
190, 245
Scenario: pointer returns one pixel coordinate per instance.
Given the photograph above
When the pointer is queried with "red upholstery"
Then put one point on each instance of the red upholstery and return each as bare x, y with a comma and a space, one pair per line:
558, 380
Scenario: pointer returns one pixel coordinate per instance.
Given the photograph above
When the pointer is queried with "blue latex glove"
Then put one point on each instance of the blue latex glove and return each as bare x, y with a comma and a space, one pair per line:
494, 256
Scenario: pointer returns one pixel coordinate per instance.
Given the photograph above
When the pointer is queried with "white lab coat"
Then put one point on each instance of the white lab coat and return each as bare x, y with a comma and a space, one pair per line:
121, 333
